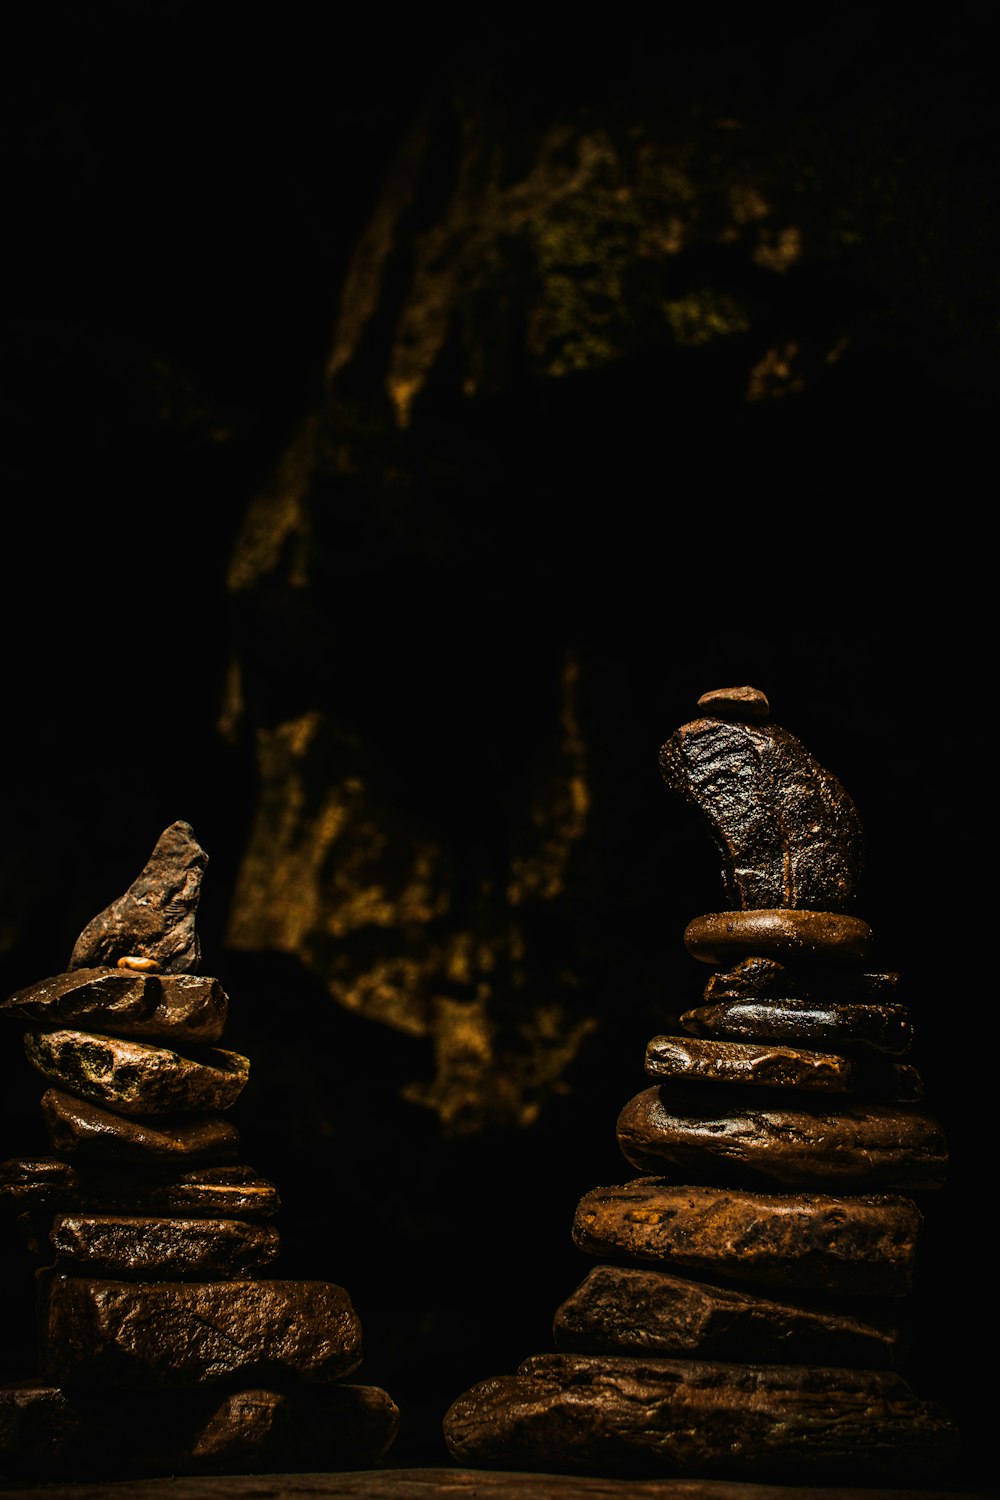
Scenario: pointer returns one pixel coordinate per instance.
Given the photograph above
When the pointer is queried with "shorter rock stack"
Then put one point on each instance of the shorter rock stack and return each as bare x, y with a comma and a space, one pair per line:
738, 1324
165, 1344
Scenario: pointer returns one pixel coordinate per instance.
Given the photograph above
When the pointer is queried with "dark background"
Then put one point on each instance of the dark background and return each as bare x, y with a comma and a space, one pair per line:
184, 187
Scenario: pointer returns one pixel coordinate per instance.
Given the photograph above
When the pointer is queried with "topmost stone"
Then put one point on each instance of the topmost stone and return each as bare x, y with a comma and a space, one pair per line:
155, 918
748, 705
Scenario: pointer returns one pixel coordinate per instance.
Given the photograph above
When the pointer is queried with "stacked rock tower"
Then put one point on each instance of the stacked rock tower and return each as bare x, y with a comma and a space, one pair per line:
739, 1321
165, 1343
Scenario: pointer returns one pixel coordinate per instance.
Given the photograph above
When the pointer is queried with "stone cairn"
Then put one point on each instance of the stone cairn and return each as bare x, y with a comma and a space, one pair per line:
164, 1343
738, 1324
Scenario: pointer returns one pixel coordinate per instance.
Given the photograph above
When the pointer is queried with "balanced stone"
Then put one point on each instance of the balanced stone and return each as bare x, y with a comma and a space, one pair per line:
879, 1025
746, 704
137, 1078
119, 1246
776, 932
79, 1129
106, 1333
123, 1002
623, 1310
762, 1064
862, 1146
812, 1242
788, 832
155, 918
690, 1417
204, 1192
766, 978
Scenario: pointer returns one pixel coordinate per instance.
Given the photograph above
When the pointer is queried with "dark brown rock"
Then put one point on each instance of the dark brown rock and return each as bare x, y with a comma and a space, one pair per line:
85, 1131
203, 1192
630, 1415
113, 1334
155, 918
136, 1078
766, 978
807, 1241
719, 937
760, 1064
118, 1246
880, 1025
748, 705
788, 833
121, 1002
623, 1310
860, 1146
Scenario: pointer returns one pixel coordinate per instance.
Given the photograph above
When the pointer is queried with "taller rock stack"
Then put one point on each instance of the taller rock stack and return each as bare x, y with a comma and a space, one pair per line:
165, 1344
739, 1322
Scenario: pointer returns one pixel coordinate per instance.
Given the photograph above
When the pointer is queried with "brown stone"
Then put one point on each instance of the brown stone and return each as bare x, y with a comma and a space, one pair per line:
203, 1192
120, 1002
155, 918
114, 1245
748, 705
760, 1064
788, 833
113, 1334
880, 1025
860, 1146
684, 1417
82, 1130
624, 1310
766, 978
806, 1241
136, 1078
719, 937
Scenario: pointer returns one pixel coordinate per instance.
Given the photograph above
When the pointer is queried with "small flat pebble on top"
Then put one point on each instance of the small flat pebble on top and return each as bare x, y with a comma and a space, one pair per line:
748, 705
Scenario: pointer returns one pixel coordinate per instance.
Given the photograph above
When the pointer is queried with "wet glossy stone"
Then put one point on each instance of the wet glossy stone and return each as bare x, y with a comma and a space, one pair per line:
112, 1334
762, 1065
82, 1130
860, 1146
37, 1183
719, 937
883, 1026
626, 1414
623, 1310
812, 1242
136, 1078
132, 1247
119, 1002
766, 978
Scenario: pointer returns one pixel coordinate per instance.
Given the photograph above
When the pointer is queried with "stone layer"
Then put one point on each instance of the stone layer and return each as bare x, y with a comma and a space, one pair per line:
118, 1246
188, 1008
884, 1027
137, 1078
755, 1064
37, 1183
85, 1132
777, 932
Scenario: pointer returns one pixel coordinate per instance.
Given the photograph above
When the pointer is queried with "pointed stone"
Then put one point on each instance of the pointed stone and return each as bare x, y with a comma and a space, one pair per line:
137, 1078
203, 1192
883, 1026
85, 1132
117, 1246
121, 1002
155, 918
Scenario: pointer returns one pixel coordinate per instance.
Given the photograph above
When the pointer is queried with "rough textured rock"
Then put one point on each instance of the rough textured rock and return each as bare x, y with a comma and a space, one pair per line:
761, 1064
136, 1078
175, 1333
168, 1007
861, 1146
603, 1413
203, 1192
155, 918
777, 932
135, 1248
766, 978
788, 833
807, 1241
624, 1310
878, 1024
83, 1130
45, 1430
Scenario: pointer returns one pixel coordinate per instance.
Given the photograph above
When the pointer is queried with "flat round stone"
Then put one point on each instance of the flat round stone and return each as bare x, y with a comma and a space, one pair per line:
188, 1008
764, 1065
625, 1310
883, 1026
813, 1242
137, 1078
782, 933
86, 1132
209, 1192
115, 1245
861, 1146
627, 1414
747, 705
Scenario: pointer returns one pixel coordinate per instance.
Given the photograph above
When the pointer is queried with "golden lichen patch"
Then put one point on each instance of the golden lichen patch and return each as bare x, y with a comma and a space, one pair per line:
703, 315
778, 250
774, 374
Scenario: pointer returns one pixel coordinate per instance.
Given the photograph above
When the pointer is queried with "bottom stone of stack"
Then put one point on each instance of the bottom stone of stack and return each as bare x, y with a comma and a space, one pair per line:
618, 1415
49, 1432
